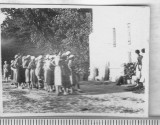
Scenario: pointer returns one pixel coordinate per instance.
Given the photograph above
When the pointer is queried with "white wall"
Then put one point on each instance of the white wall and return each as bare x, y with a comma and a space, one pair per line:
101, 40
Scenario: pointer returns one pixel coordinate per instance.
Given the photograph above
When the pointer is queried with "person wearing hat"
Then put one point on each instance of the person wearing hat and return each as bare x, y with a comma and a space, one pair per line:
12, 72
17, 64
39, 71
26, 61
68, 53
47, 57
58, 74
15, 69
16, 56
73, 75
32, 67
21, 71
6, 71
65, 74
48, 74
138, 66
12, 62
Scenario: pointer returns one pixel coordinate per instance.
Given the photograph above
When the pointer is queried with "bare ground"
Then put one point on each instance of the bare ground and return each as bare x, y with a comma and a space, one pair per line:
96, 98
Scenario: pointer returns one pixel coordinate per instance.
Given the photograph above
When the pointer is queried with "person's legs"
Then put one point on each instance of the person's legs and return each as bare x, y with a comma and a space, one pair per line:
5, 79
45, 86
57, 90
77, 86
65, 92
38, 82
49, 88
27, 84
31, 85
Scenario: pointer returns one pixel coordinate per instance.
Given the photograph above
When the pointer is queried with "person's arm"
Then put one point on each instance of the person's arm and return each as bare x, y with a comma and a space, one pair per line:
29, 65
3, 69
52, 62
34, 66
70, 65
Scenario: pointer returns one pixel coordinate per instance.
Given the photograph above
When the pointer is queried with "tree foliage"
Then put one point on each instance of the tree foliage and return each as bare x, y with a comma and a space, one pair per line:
51, 30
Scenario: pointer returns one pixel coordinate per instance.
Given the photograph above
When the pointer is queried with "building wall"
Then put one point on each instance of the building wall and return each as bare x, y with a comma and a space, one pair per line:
102, 51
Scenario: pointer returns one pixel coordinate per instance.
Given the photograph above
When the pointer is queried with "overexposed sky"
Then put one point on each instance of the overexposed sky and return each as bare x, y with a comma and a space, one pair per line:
107, 18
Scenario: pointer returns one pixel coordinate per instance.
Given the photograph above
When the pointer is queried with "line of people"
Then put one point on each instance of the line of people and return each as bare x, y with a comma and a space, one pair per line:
50, 72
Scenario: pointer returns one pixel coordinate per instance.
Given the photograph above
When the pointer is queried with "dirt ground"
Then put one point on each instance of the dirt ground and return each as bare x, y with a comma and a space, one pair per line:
95, 97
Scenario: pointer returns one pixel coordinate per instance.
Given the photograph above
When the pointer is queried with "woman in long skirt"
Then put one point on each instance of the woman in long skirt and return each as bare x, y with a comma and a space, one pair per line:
22, 73
12, 72
6, 71
48, 74
12, 63
57, 74
39, 71
17, 73
32, 67
65, 74
73, 75
27, 70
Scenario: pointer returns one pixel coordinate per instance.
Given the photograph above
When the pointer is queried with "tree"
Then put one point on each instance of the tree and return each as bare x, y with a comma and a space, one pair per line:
51, 30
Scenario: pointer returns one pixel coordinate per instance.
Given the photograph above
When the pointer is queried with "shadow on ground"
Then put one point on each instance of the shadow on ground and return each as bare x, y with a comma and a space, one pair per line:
94, 88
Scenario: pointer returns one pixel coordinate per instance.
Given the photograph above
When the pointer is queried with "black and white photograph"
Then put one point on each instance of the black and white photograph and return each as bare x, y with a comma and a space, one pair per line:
74, 60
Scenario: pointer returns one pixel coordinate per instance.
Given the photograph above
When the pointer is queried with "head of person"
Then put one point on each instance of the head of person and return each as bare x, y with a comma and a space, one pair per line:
47, 56
59, 54
57, 59
5, 62
64, 56
51, 57
71, 57
68, 53
12, 61
32, 58
16, 56
137, 51
28, 56
23, 57
143, 50
39, 57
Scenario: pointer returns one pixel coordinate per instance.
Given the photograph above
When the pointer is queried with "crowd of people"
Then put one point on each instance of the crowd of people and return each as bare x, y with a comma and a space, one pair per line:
58, 72
50, 72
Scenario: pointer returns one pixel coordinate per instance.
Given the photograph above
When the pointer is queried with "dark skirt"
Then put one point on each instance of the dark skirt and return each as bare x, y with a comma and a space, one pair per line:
66, 81
22, 74
11, 75
49, 77
17, 75
66, 76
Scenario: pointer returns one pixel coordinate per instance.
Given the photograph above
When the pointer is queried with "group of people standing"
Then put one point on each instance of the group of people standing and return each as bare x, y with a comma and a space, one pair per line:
135, 71
58, 72
49, 72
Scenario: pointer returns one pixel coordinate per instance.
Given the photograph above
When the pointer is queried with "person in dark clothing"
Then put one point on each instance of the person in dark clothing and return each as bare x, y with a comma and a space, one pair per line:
6, 71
